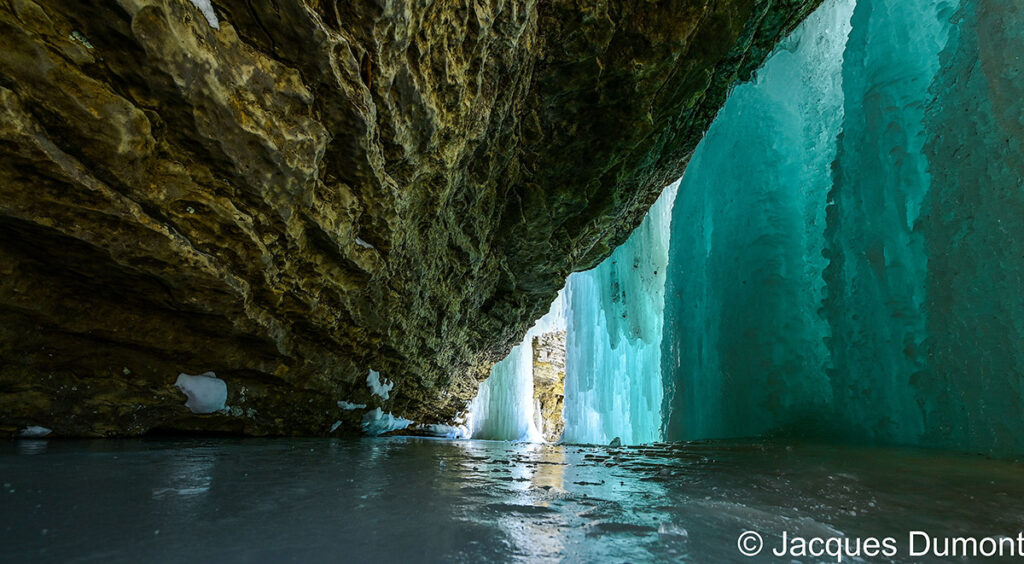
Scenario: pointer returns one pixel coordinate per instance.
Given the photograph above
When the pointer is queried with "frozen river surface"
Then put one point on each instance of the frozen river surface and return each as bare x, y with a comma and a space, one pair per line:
414, 500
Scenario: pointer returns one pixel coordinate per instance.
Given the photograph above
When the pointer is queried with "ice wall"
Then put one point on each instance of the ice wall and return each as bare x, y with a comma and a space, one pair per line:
613, 318
973, 396
904, 126
504, 408
846, 251
613, 342
878, 266
744, 346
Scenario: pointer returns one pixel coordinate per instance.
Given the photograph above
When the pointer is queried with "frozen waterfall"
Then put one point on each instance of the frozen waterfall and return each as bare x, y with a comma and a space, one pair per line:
843, 258
614, 316
899, 318
744, 345
504, 408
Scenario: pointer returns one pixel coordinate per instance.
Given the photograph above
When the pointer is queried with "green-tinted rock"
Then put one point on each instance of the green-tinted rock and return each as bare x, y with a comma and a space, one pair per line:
319, 188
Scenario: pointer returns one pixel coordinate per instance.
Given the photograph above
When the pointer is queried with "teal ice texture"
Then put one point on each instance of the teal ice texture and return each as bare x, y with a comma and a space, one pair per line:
613, 342
899, 318
878, 271
745, 350
973, 229
845, 252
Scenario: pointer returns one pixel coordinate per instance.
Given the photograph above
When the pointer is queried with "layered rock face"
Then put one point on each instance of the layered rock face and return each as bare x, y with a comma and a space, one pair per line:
549, 383
289, 194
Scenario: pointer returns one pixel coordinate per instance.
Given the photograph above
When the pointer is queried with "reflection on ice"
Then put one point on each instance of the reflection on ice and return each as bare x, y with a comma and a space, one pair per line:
412, 499
188, 474
31, 446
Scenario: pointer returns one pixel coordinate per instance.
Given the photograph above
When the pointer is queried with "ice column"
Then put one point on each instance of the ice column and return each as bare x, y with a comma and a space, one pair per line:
973, 396
878, 266
614, 316
504, 407
745, 345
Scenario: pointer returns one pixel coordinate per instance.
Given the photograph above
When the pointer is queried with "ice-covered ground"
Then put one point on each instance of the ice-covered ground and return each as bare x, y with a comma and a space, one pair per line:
423, 500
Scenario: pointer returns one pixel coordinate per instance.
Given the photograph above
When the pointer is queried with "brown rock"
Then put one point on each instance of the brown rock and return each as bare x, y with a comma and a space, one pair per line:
549, 382
320, 187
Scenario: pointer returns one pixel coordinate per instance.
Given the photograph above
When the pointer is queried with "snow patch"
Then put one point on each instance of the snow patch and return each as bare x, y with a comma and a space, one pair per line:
34, 432
364, 244
77, 36
377, 422
378, 389
335, 426
348, 406
206, 393
206, 8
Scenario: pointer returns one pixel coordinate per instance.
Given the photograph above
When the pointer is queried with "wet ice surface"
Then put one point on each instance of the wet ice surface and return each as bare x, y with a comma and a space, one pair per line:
408, 499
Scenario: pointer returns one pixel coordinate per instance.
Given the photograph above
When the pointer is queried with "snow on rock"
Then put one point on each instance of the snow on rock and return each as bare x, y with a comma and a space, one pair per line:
377, 422
206, 393
34, 432
206, 8
349, 406
374, 382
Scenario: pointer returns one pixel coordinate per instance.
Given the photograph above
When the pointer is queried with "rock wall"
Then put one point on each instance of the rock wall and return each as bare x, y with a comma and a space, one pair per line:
309, 190
549, 382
